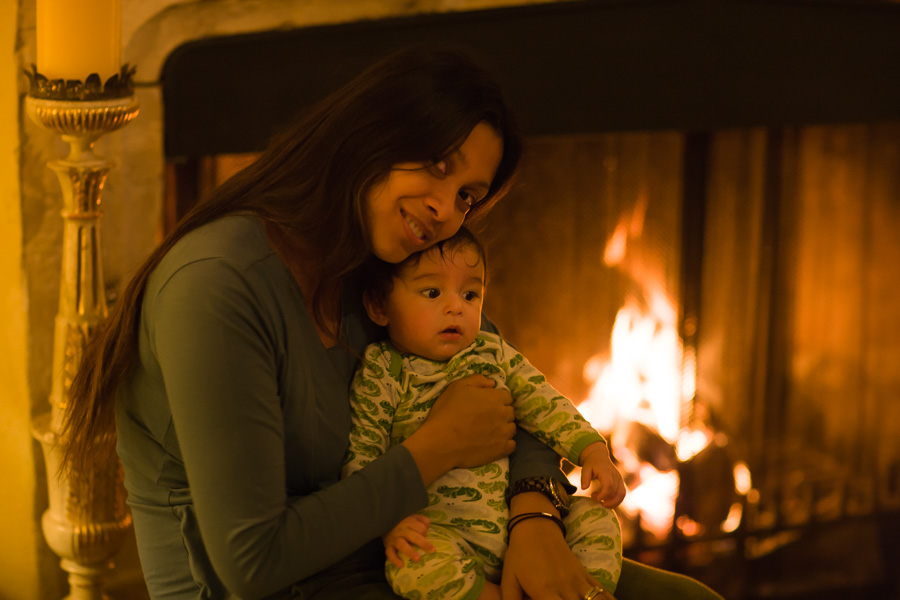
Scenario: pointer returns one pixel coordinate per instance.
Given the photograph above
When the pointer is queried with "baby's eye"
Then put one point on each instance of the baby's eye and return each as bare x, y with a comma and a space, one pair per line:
431, 293
470, 296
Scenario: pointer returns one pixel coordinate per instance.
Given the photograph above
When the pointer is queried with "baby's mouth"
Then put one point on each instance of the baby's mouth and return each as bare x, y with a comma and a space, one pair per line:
452, 330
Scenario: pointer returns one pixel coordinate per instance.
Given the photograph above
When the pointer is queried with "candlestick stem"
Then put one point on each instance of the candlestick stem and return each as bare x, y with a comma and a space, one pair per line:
86, 519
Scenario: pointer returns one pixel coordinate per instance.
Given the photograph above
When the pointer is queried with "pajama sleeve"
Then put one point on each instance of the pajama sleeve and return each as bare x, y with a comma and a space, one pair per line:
372, 406
542, 411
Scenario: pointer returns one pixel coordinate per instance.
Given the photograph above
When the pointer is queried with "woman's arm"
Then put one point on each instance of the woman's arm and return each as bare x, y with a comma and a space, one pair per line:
218, 354
538, 562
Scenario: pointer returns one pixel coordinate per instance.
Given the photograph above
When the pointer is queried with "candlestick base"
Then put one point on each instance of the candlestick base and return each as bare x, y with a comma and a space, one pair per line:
87, 519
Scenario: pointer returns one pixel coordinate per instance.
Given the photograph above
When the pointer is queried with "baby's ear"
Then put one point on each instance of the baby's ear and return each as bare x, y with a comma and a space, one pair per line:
375, 309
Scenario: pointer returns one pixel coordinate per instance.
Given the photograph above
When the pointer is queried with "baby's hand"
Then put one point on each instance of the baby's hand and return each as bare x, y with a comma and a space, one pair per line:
405, 537
597, 466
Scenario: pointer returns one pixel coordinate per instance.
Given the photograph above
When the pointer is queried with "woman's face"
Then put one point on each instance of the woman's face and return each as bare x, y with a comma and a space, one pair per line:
419, 204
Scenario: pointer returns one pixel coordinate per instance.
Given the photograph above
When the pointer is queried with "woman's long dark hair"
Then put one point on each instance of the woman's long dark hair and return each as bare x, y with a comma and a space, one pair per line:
415, 105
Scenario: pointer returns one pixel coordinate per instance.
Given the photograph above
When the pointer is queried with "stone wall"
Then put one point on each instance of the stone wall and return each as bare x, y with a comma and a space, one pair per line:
18, 558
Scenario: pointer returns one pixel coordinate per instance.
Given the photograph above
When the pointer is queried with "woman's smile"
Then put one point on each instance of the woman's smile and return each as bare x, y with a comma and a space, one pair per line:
417, 231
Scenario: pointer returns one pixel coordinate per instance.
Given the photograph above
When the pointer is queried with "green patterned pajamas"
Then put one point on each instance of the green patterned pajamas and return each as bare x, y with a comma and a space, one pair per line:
391, 396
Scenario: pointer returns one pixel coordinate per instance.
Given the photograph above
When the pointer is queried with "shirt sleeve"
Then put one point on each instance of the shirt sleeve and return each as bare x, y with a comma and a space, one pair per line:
218, 358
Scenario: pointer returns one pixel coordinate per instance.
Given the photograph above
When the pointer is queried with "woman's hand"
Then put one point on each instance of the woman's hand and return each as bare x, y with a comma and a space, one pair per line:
539, 563
471, 424
405, 538
601, 475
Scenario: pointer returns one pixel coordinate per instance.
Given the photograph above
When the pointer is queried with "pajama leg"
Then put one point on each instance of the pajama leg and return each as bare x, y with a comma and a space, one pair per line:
594, 535
452, 571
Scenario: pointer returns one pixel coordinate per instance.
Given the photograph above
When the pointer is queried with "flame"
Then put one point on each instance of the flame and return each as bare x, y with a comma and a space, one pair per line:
641, 382
647, 378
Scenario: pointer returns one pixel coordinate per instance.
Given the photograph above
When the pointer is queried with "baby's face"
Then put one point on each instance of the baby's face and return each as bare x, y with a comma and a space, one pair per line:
434, 309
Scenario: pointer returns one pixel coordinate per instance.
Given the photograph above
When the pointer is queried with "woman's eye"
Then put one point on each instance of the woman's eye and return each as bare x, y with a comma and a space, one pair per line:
439, 168
467, 200
431, 293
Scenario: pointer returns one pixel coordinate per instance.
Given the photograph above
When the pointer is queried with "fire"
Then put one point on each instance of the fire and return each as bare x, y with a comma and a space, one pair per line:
641, 383
638, 392
641, 380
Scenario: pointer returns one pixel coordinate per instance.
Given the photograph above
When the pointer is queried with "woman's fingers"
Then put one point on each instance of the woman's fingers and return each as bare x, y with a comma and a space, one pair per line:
540, 565
601, 594
478, 418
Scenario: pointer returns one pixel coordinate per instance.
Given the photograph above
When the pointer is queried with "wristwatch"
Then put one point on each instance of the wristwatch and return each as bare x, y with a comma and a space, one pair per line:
551, 488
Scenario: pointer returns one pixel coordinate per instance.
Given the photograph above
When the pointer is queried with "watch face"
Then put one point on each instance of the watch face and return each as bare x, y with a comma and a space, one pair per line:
560, 492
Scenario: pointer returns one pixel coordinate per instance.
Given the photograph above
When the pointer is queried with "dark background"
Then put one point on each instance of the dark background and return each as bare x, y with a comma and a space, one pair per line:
566, 68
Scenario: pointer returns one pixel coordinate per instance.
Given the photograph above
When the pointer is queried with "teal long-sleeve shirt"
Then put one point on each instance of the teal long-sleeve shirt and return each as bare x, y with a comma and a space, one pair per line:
234, 423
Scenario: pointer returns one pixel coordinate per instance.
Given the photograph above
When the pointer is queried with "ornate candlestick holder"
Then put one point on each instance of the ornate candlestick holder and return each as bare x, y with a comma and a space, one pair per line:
87, 518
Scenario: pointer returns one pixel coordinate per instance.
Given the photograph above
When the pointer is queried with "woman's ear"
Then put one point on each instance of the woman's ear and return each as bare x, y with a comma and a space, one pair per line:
375, 309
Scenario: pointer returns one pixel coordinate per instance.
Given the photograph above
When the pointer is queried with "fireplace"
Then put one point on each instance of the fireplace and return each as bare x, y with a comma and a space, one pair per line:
700, 178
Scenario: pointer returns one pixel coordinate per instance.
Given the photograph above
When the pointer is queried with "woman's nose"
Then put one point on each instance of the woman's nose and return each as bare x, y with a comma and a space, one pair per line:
441, 202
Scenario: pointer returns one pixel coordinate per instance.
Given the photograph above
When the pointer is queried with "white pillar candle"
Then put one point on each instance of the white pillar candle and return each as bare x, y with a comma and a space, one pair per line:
78, 37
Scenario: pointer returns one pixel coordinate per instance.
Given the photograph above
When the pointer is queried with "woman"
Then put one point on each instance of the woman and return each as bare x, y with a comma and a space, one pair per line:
225, 365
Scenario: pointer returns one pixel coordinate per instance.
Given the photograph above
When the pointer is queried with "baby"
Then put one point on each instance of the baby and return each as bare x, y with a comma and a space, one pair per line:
431, 306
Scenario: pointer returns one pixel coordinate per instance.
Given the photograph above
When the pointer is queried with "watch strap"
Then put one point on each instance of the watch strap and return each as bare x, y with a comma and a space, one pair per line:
541, 485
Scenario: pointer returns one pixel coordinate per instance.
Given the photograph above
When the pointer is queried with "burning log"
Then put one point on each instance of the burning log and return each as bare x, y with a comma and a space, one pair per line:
707, 490
648, 446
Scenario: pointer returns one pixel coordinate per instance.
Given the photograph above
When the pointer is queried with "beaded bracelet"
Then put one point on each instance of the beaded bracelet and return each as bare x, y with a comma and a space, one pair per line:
535, 515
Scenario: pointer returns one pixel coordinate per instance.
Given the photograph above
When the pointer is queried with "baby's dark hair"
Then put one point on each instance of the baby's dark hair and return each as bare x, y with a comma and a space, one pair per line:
378, 278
